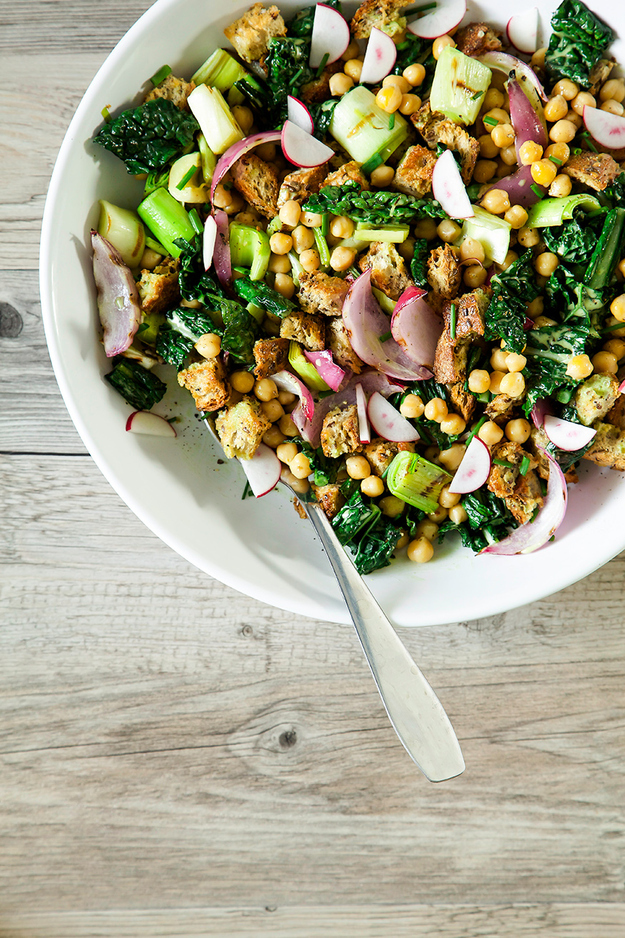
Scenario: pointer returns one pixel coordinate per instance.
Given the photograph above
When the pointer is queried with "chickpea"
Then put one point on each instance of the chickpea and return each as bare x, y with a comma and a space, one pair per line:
310, 260
410, 104
340, 84
518, 431
426, 228
222, 197
397, 81
499, 360
267, 152
279, 264
556, 108
528, 237
496, 201
617, 307
563, 131
503, 135
513, 384
432, 453
448, 230
300, 466
420, 550
273, 437
290, 212
561, 186
473, 250
272, 410
516, 216
558, 151
479, 381
271, 325
613, 107
342, 259
372, 486
544, 172
579, 367
412, 407
265, 389
353, 69
505, 169
352, 51
441, 43
301, 486
242, 381
490, 433
244, 117
414, 74
529, 152
427, 528
452, 457
453, 425
515, 362
542, 321
448, 499
567, 88
613, 90
237, 204
495, 114
474, 276
391, 506
616, 347
342, 227
605, 363
302, 238
493, 99
209, 345
509, 260
582, 100
457, 514
357, 467
311, 219
286, 398
284, 285
406, 249
488, 147
149, 259
286, 452
436, 409
484, 171
281, 243
574, 118
287, 426
538, 58
546, 263
495, 381
621, 267
382, 176
437, 516
389, 98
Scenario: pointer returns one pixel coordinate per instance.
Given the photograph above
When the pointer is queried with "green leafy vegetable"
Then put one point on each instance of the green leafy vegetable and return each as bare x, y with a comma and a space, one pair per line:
577, 42
571, 242
323, 467
373, 550
140, 387
148, 137
287, 70
614, 194
322, 116
513, 289
354, 518
181, 330
376, 208
261, 294
418, 264
488, 521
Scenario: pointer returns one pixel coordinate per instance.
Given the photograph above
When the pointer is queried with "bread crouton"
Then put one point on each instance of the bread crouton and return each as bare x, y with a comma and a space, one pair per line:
383, 14
599, 73
475, 39
596, 170
450, 361
321, 293
521, 493
250, 34
340, 433
207, 382
301, 184
317, 90
380, 453
388, 271
337, 340
158, 288
309, 331
616, 414
348, 172
241, 428
173, 89
329, 498
608, 447
500, 408
271, 356
435, 129
537, 444
414, 171
444, 271
594, 397
258, 183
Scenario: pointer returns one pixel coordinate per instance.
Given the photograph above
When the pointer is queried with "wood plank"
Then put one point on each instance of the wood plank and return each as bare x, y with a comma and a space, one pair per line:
47, 27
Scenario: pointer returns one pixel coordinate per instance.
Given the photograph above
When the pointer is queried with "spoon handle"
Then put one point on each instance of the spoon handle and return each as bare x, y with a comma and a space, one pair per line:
413, 708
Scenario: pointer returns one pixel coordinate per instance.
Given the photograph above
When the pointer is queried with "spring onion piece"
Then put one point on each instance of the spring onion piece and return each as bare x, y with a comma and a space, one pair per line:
186, 181
391, 234
237, 150
361, 127
550, 212
196, 221
215, 118
457, 80
387, 305
607, 253
123, 229
296, 267
161, 75
208, 158
221, 70
154, 245
250, 248
322, 247
492, 232
416, 327
167, 219
119, 306
416, 481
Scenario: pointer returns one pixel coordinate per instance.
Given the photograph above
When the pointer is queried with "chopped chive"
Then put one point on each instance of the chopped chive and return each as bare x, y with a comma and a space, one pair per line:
385, 337
299, 72
586, 136
476, 429
478, 94
354, 271
452, 323
186, 177
161, 75
391, 121
491, 121
537, 191
617, 325
504, 463
106, 114
322, 64
246, 491
525, 465
484, 397
534, 513
196, 221
554, 159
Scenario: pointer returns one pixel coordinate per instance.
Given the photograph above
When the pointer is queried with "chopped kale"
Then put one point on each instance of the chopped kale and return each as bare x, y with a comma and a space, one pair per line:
381, 207
287, 70
261, 294
181, 330
322, 116
430, 431
577, 42
173, 347
571, 242
418, 264
615, 192
355, 518
324, 468
548, 352
140, 387
374, 548
488, 521
513, 289
148, 137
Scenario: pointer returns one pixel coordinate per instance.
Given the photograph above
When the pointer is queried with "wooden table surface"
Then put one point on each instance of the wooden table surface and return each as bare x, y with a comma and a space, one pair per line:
179, 760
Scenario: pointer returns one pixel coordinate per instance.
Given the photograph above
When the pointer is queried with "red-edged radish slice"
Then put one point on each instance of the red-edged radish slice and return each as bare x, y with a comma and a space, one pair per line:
448, 188
302, 149
567, 435
142, 421
504, 62
380, 57
330, 35
444, 18
208, 241
607, 129
299, 114
474, 469
522, 31
621, 387
364, 430
262, 470
387, 421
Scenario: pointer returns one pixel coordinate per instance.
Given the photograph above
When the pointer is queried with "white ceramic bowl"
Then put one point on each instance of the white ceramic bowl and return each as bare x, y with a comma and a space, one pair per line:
177, 487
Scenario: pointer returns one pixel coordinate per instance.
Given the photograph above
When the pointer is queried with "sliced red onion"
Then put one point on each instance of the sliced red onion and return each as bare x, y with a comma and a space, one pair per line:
521, 187
289, 382
237, 150
119, 305
567, 435
327, 368
416, 327
365, 323
208, 241
541, 408
221, 251
526, 122
533, 534
370, 381
621, 387
504, 62
364, 430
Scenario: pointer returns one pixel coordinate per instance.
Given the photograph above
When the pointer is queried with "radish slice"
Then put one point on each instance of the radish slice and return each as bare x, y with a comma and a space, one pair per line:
330, 35
221, 252
142, 421
533, 534
607, 129
299, 114
567, 435
540, 410
416, 327
289, 382
504, 62
364, 430
237, 150
522, 31
380, 57
327, 368
474, 469
448, 188
621, 387
208, 242
387, 421
119, 305
445, 17
302, 149
262, 470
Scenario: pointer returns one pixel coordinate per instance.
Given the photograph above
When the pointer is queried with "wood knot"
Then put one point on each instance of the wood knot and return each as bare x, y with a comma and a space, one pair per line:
11, 323
287, 739
247, 630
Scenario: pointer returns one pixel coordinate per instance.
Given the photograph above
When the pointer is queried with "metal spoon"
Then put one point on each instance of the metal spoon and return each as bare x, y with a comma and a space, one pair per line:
414, 710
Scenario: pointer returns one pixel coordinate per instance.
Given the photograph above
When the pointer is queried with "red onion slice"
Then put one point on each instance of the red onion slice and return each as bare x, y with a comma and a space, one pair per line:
365, 323
621, 387
504, 62
364, 430
526, 122
534, 534
119, 305
221, 251
237, 150
541, 408
521, 187
327, 368
416, 327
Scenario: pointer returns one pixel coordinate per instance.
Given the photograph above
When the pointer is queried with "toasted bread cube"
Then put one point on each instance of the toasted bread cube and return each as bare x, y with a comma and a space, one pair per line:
381, 14
521, 493
258, 183
250, 34
173, 89
321, 293
476, 39
436, 128
300, 184
309, 331
388, 271
271, 356
241, 428
594, 398
207, 382
380, 453
348, 172
414, 171
595, 170
329, 497
340, 434
158, 288
444, 271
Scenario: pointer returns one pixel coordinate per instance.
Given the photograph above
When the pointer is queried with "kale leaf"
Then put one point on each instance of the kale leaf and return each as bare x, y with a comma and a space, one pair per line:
577, 42
181, 330
513, 289
322, 116
418, 264
548, 352
140, 387
287, 70
261, 294
375, 547
381, 207
148, 137
324, 468
570, 242
355, 517
413, 49
429, 430
615, 192
488, 521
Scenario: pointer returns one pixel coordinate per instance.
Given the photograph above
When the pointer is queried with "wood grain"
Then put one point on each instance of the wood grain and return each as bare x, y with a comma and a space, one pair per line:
179, 760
